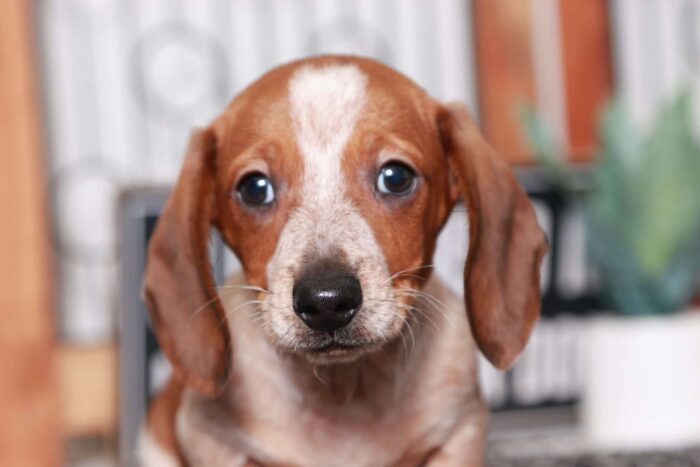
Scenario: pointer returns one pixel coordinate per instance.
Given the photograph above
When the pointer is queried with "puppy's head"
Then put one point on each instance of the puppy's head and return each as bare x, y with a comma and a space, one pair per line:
330, 179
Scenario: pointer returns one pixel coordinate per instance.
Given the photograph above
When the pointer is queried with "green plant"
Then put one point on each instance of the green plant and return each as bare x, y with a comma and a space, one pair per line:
643, 210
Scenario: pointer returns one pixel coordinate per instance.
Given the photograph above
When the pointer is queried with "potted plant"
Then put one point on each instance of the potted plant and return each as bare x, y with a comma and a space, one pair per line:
642, 214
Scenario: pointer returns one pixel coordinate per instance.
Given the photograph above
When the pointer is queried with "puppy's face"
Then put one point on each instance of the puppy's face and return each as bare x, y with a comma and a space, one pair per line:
337, 187
330, 178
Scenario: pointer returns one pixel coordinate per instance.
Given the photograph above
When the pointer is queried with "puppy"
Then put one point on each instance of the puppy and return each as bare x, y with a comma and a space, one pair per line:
330, 178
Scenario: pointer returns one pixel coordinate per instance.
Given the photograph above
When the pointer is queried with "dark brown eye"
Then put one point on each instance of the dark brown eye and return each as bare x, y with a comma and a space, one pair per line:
396, 178
256, 190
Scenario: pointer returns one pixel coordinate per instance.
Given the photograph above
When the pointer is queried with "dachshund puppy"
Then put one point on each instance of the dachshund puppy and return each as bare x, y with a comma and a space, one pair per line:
331, 178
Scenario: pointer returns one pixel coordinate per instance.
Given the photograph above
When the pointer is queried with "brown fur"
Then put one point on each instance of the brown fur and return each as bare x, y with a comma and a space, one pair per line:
161, 417
415, 400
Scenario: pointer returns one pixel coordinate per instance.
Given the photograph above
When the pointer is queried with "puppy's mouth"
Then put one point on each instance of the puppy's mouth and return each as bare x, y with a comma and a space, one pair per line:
334, 351
333, 347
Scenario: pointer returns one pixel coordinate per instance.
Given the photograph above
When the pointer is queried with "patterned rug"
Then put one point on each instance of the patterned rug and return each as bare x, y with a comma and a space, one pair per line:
684, 458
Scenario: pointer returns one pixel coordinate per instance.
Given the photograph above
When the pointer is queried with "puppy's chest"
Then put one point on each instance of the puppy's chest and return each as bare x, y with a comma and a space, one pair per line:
349, 434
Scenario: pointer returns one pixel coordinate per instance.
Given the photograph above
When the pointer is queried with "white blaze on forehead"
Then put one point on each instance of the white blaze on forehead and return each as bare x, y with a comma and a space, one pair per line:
325, 103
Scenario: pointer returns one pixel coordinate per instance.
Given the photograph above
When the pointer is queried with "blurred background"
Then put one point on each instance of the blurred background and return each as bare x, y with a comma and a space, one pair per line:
595, 104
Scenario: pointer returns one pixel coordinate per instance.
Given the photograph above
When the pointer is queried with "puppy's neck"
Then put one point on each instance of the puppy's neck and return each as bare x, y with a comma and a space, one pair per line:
374, 376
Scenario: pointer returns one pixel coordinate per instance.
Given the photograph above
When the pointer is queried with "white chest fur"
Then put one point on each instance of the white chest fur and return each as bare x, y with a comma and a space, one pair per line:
391, 406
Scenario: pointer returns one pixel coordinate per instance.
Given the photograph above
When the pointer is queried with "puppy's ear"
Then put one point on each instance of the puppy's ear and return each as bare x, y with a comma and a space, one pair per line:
506, 245
185, 311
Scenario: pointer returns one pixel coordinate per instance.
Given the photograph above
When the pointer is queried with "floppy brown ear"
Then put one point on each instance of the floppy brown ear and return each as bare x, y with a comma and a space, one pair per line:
506, 245
180, 290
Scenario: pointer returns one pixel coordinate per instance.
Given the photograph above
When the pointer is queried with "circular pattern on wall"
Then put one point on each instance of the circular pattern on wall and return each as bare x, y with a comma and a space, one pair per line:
179, 71
349, 36
83, 200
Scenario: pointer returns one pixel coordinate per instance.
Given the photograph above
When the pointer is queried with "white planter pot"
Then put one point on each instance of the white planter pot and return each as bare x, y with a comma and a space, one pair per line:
642, 382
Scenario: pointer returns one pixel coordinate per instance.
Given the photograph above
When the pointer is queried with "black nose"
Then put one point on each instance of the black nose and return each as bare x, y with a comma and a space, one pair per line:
327, 300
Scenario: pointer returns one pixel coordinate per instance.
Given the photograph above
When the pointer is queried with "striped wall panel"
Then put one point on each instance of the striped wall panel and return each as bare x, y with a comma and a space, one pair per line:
124, 81
657, 52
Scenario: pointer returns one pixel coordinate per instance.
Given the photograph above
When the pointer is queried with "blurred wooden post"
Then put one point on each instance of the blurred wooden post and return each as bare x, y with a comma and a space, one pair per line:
507, 70
587, 70
29, 428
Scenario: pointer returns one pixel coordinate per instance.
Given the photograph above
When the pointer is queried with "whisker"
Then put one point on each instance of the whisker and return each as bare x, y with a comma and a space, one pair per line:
237, 307
406, 322
318, 377
420, 293
430, 300
209, 302
422, 313
410, 309
405, 274
403, 340
427, 317
427, 301
402, 272
413, 337
239, 286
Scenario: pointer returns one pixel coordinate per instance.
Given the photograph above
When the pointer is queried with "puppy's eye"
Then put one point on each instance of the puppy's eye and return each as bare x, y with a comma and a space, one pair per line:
256, 190
396, 178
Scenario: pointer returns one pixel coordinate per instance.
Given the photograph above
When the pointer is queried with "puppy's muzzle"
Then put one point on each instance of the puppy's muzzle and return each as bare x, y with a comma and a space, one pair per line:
327, 297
